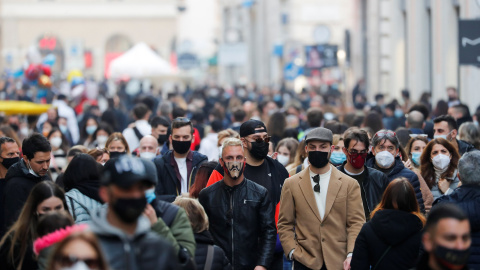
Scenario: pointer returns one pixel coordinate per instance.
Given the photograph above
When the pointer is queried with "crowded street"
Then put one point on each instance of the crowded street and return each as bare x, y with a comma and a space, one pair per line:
239, 134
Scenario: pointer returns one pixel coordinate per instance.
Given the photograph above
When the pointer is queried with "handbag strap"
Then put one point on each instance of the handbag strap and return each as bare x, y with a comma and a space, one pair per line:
381, 258
208, 262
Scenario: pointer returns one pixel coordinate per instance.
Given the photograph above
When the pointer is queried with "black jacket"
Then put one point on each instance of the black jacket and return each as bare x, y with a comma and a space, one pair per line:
19, 183
169, 186
464, 147
399, 170
467, 197
241, 222
375, 184
219, 262
398, 229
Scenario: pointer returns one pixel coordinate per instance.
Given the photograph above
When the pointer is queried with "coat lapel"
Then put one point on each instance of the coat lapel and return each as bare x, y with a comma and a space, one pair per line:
307, 190
333, 188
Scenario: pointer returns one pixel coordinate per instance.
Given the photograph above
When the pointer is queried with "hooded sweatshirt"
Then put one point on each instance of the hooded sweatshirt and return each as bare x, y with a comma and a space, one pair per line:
142, 250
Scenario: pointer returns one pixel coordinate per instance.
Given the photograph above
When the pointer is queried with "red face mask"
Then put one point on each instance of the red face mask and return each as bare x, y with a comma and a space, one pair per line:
357, 160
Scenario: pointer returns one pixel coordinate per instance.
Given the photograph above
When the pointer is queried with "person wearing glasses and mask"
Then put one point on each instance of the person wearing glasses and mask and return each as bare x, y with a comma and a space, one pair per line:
177, 168
321, 211
385, 149
372, 182
241, 215
261, 169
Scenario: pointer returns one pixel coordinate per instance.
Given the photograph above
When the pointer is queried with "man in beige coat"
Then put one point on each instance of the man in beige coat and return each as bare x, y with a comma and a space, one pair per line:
321, 210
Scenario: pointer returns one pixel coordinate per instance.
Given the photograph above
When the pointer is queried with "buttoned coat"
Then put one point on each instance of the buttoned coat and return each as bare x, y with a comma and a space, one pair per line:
317, 241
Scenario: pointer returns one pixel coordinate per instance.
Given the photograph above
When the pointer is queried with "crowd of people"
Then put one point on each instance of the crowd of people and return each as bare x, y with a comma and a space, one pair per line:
241, 179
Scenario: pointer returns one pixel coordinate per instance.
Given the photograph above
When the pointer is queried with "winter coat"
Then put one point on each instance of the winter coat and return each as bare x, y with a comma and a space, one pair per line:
29, 260
247, 232
464, 147
375, 184
398, 229
132, 252
169, 186
437, 193
467, 197
399, 170
80, 205
19, 183
178, 224
219, 261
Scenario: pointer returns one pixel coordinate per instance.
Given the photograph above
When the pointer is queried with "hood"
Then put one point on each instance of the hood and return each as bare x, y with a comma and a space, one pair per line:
395, 226
56, 236
19, 169
204, 238
100, 226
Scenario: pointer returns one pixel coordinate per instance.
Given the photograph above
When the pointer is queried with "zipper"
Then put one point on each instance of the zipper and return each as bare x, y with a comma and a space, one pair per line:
366, 199
233, 242
126, 247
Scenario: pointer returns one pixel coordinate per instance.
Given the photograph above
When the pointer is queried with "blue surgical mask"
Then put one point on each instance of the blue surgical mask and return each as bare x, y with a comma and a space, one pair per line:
338, 158
91, 129
399, 113
416, 158
150, 195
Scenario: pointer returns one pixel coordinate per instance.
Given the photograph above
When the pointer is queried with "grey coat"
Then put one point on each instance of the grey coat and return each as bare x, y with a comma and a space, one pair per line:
80, 205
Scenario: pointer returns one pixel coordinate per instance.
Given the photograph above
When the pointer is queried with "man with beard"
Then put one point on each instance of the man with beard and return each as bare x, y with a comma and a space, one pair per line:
123, 232
160, 127
24, 175
260, 169
240, 213
446, 239
178, 167
321, 210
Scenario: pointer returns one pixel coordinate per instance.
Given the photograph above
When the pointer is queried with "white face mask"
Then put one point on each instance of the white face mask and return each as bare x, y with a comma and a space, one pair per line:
384, 159
30, 170
148, 155
441, 161
80, 265
102, 139
56, 142
283, 159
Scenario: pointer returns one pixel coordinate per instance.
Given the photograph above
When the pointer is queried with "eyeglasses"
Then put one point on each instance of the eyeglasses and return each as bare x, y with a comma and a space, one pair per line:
69, 261
418, 135
385, 133
260, 140
316, 179
182, 120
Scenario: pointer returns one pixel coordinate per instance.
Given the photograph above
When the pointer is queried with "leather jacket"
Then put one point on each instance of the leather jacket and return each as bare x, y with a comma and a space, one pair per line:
241, 222
374, 185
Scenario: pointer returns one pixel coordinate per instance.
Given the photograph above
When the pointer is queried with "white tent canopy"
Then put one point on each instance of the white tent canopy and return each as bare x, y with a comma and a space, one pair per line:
140, 62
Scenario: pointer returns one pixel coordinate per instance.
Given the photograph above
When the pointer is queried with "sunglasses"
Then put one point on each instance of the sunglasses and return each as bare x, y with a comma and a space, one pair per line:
385, 133
418, 135
181, 120
260, 140
316, 179
69, 261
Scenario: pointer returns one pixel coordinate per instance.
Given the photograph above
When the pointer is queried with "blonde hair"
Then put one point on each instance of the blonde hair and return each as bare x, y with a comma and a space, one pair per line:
231, 142
227, 133
195, 212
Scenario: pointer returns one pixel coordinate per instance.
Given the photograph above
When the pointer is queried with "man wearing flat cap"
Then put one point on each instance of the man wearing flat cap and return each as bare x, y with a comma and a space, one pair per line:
122, 228
321, 210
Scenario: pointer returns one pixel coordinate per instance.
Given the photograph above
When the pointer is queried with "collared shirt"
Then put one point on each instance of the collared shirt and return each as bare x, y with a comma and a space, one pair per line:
183, 171
321, 197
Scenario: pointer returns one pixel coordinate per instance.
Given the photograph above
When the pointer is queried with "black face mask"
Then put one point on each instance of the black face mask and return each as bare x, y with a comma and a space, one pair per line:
181, 147
259, 151
117, 154
162, 138
446, 256
128, 210
7, 162
318, 159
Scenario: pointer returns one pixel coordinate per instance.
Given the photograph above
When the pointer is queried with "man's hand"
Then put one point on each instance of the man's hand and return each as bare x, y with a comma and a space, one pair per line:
443, 185
259, 267
150, 213
346, 263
